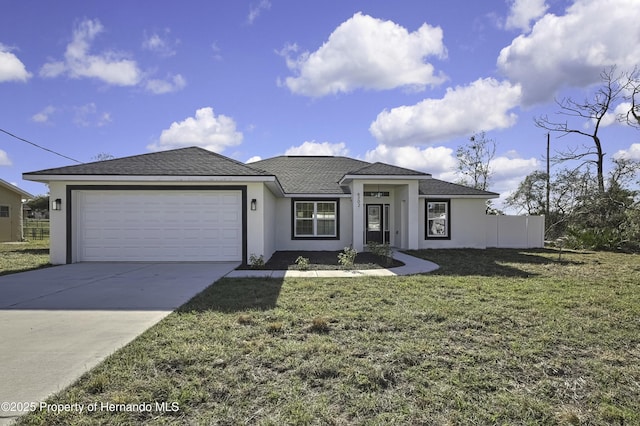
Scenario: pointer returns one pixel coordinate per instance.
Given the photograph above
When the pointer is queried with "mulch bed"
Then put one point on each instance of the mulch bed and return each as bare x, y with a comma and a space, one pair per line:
324, 260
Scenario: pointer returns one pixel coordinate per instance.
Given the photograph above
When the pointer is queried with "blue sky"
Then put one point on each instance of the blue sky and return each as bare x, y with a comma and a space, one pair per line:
403, 82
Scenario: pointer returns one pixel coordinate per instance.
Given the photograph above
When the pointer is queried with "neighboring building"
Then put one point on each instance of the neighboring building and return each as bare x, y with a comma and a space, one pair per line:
191, 204
11, 211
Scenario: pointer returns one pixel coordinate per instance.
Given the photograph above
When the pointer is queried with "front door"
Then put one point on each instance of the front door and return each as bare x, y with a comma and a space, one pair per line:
374, 223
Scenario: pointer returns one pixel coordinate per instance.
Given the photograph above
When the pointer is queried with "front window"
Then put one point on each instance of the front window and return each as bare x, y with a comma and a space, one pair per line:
438, 219
315, 219
4, 211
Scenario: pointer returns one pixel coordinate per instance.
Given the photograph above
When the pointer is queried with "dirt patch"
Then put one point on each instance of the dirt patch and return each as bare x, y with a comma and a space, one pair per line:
325, 260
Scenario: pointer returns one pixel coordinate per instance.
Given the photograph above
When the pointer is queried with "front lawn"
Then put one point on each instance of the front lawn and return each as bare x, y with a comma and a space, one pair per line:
19, 257
493, 337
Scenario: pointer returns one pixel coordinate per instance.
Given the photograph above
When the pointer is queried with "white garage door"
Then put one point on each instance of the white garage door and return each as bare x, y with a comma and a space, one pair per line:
158, 225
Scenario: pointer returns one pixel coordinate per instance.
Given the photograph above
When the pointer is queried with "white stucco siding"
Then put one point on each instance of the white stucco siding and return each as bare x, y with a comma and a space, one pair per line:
283, 219
269, 214
255, 220
468, 225
58, 225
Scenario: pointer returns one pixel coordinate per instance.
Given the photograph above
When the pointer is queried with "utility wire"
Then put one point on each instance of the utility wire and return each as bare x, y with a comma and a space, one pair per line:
38, 146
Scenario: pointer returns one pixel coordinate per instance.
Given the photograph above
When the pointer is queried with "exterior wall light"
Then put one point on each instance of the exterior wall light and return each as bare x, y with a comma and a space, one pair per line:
254, 204
56, 204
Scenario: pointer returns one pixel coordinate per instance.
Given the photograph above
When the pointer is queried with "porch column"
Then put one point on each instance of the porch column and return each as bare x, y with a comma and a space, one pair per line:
413, 209
357, 198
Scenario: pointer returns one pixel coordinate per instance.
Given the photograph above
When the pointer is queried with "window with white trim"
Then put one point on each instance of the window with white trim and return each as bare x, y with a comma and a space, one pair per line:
4, 211
438, 219
315, 219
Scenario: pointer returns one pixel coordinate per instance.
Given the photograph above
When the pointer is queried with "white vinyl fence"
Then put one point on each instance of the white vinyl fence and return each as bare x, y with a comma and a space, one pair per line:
515, 231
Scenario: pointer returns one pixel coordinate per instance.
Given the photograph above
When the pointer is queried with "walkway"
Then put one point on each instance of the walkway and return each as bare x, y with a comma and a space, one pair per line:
412, 265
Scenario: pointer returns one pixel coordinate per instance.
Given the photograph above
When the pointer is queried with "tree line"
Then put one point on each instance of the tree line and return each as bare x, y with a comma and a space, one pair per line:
586, 207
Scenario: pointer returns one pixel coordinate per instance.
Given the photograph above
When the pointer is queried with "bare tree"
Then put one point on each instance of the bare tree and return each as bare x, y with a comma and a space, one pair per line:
632, 117
474, 161
594, 111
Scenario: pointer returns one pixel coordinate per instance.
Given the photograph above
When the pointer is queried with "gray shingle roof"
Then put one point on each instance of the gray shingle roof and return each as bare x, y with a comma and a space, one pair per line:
310, 174
192, 161
386, 170
440, 187
296, 174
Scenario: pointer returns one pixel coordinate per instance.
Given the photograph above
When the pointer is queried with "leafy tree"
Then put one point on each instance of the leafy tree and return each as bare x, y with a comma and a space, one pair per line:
39, 203
530, 195
102, 157
568, 188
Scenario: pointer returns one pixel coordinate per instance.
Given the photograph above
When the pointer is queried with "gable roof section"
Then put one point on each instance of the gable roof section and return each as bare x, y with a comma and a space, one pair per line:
310, 174
13, 188
192, 161
383, 169
441, 188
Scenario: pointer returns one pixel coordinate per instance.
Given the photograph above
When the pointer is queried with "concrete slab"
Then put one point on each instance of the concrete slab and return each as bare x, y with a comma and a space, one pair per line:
59, 322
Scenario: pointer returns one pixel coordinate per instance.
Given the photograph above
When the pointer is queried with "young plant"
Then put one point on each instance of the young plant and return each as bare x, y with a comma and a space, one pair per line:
302, 263
256, 262
347, 258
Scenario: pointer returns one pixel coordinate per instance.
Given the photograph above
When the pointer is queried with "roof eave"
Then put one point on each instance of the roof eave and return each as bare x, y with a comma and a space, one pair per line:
146, 178
450, 196
346, 179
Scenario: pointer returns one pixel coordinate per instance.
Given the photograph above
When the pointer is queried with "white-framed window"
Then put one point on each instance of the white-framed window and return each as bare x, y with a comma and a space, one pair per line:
4, 211
315, 219
438, 219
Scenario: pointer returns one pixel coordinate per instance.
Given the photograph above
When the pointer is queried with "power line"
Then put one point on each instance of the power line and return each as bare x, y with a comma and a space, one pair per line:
38, 146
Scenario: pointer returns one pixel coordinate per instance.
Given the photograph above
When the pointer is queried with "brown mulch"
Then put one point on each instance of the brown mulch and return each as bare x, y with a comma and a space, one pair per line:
324, 260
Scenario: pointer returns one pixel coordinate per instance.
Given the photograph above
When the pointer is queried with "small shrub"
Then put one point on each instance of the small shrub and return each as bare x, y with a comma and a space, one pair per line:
347, 258
319, 325
256, 262
245, 319
303, 263
275, 327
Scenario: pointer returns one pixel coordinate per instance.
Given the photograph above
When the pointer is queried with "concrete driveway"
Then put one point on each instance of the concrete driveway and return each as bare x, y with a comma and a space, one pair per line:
57, 323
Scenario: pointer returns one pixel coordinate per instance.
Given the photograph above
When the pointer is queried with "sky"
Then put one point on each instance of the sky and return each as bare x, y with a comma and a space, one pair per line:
404, 82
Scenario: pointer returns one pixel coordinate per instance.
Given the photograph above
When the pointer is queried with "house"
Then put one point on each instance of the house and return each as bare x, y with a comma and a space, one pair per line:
11, 211
191, 204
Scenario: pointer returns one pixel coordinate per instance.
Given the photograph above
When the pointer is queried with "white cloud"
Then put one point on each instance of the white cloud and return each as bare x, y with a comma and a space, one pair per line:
88, 115
254, 159
369, 53
508, 171
439, 161
522, 12
4, 159
160, 43
482, 105
172, 84
511, 165
109, 66
44, 115
573, 49
11, 68
612, 117
256, 9
318, 148
633, 153
206, 130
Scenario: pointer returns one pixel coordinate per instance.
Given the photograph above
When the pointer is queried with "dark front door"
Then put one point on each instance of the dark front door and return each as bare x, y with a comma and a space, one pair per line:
374, 223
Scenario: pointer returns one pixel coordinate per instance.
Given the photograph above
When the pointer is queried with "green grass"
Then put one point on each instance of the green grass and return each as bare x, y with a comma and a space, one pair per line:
19, 257
493, 337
